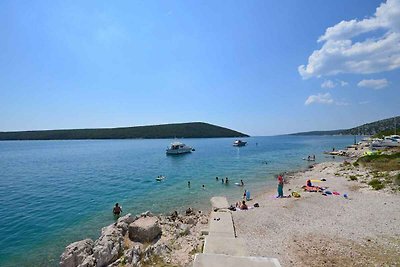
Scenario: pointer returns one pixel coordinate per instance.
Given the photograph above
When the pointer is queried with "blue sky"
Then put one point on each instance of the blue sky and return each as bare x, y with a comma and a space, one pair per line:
260, 67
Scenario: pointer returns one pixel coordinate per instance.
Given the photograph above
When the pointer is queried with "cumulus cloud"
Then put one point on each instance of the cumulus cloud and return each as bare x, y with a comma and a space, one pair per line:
319, 99
374, 84
374, 54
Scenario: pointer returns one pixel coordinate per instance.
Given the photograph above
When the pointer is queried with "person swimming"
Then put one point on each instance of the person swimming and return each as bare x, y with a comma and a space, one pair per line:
117, 209
241, 183
216, 178
226, 180
188, 184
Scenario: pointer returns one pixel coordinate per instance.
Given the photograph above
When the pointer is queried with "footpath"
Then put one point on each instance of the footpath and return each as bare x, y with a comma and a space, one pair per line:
222, 247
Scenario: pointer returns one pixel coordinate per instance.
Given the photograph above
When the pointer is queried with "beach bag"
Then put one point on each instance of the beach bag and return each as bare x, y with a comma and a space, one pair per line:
295, 194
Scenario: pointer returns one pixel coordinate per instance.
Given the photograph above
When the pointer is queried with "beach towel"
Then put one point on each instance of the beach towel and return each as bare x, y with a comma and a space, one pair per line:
312, 188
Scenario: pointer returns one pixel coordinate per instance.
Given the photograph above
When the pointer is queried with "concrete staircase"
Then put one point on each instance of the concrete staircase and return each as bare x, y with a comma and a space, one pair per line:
221, 246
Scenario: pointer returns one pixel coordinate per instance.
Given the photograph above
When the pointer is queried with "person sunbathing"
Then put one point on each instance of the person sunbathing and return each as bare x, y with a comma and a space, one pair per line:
243, 206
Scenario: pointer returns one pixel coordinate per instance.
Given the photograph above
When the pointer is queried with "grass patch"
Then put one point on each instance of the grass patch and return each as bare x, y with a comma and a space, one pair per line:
376, 184
353, 178
381, 162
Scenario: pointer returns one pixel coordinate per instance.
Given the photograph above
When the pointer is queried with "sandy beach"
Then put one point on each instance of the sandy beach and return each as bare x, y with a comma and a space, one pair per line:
318, 230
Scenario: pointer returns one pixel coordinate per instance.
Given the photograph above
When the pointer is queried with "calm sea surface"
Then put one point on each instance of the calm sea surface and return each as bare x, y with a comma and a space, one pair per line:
53, 193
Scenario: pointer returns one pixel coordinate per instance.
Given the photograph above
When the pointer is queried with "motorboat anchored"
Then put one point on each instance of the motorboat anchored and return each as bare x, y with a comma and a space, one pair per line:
177, 148
239, 143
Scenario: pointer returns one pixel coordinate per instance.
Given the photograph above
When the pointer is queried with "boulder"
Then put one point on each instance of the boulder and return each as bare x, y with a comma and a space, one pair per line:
78, 254
109, 246
144, 229
124, 221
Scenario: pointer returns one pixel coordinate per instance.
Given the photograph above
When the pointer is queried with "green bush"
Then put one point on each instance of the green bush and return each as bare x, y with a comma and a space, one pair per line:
376, 184
353, 178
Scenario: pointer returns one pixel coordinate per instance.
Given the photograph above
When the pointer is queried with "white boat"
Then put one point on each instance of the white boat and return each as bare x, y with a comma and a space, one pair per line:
390, 142
160, 178
239, 143
177, 148
386, 142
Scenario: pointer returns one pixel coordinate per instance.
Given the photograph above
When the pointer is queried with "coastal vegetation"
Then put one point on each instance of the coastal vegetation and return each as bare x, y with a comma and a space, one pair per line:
382, 162
176, 130
383, 169
378, 128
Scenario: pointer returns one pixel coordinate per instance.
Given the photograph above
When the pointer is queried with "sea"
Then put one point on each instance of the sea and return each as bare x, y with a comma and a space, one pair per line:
53, 193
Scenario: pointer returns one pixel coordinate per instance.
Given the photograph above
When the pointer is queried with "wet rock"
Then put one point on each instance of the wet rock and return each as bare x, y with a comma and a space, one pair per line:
144, 229
78, 254
109, 246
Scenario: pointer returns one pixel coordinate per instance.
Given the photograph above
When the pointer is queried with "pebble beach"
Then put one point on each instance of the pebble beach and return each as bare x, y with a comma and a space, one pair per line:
316, 230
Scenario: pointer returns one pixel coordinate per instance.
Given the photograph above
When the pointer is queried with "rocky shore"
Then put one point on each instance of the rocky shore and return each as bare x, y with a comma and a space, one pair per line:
144, 240
357, 226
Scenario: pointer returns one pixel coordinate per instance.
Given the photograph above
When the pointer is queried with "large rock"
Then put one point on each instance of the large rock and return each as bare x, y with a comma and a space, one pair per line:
124, 221
78, 254
144, 229
109, 246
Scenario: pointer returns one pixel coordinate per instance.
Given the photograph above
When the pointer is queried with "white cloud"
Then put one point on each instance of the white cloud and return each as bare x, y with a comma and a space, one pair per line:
320, 99
374, 84
375, 54
332, 84
364, 102
328, 84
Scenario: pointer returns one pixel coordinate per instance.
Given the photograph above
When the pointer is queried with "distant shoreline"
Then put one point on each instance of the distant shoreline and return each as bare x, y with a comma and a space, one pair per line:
164, 131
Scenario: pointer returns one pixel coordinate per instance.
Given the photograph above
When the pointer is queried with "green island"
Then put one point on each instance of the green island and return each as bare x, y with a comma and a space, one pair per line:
379, 128
175, 130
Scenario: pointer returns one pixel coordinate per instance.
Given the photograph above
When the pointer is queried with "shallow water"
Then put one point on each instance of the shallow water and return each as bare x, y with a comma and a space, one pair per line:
56, 192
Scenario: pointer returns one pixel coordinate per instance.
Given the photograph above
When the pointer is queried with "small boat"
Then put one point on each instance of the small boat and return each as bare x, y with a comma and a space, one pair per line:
160, 178
239, 143
177, 148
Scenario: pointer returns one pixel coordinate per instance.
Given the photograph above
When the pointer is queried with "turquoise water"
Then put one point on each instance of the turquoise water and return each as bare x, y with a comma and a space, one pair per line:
56, 192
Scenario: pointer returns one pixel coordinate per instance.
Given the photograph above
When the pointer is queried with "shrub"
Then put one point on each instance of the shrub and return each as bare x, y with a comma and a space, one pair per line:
353, 178
376, 184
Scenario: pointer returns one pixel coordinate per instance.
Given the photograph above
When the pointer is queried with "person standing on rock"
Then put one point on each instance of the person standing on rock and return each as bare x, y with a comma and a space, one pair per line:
280, 186
117, 209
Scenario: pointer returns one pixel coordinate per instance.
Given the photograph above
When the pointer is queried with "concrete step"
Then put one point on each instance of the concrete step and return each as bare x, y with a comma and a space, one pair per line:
219, 203
221, 224
224, 245
218, 260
